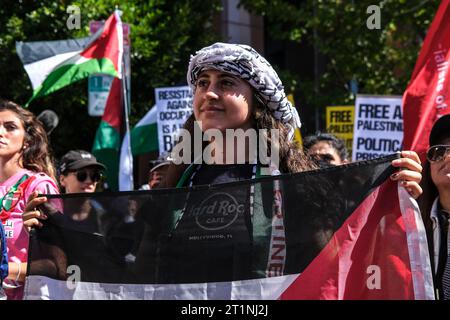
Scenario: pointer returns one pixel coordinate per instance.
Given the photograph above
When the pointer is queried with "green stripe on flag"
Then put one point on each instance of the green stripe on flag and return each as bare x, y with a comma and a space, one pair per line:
144, 139
107, 150
70, 73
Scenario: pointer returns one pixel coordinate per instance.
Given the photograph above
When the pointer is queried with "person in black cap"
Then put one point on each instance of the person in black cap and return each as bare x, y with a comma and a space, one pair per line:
79, 172
435, 204
84, 218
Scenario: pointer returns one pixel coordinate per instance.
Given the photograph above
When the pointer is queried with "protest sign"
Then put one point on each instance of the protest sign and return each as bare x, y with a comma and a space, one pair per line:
339, 121
378, 128
174, 106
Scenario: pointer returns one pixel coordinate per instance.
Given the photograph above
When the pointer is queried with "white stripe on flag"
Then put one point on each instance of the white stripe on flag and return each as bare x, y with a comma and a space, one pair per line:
417, 246
126, 165
43, 288
149, 118
39, 70
119, 28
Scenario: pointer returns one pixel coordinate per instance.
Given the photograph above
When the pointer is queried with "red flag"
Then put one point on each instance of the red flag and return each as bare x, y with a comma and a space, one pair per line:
380, 252
428, 94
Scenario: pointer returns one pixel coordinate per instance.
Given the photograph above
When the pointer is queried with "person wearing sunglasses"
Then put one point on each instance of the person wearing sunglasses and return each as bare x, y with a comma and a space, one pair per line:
80, 172
435, 204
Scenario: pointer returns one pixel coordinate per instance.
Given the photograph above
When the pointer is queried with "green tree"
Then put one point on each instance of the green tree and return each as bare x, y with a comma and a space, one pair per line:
380, 60
163, 35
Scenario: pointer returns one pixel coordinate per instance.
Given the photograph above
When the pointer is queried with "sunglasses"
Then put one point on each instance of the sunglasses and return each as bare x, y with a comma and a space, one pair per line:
82, 175
438, 153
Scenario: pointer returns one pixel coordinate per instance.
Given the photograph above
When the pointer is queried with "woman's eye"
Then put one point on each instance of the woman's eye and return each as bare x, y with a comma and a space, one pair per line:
201, 83
10, 127
227, 83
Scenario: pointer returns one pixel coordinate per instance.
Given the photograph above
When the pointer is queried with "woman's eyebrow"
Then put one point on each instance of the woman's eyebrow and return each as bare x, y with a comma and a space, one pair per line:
226, 75
230, 76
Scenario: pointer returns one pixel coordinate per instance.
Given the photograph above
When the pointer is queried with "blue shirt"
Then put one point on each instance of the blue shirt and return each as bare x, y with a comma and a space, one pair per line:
4, 255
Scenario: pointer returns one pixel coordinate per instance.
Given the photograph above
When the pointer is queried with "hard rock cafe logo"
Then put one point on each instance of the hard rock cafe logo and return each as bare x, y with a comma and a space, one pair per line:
216, 212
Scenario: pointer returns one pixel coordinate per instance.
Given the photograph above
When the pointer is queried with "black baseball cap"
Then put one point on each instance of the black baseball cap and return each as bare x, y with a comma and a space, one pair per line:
78, 159
440, 129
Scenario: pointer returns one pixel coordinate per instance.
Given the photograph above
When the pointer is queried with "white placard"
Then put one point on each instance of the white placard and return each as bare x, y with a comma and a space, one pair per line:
378, 128
174, 106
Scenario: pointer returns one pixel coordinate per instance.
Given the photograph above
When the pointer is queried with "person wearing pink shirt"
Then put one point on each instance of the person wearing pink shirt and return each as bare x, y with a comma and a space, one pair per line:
26, 170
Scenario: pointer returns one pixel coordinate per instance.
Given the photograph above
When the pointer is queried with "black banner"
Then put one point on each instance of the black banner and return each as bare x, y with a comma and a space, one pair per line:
203, 233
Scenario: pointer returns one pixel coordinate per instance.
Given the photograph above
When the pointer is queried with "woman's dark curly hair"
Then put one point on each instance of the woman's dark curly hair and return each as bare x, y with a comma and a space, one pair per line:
35, 155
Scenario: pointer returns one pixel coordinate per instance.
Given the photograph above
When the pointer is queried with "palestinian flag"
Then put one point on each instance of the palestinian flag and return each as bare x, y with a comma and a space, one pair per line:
111, 143
428, 94
52, 65
313, 235
144, 136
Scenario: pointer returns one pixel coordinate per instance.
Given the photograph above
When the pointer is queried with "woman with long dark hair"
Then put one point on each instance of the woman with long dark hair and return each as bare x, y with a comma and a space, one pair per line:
235, 90
26, 170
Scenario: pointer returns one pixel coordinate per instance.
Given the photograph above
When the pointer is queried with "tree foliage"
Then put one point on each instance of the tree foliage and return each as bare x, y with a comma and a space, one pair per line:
163, 35
380, 60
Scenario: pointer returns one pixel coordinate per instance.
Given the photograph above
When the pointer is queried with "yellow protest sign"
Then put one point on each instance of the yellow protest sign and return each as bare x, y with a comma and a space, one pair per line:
339, 121
297, 133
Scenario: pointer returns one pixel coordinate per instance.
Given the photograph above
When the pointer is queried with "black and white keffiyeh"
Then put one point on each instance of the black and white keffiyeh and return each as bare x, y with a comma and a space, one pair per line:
244, 62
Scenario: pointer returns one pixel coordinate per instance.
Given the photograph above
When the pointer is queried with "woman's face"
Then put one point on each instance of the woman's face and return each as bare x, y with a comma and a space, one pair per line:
223, 101
12, 134
440, 170
322, 150
72, 184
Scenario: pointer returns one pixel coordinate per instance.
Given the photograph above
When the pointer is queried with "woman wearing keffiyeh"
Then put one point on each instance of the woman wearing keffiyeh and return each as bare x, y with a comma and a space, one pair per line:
262, 105
235, 88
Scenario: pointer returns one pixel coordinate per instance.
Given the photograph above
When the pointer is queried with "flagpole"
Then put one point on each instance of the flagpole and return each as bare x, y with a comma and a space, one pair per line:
127, 123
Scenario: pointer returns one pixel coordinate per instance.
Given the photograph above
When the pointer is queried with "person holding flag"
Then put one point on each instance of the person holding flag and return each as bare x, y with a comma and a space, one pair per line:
26, 170
236, 88
228, 95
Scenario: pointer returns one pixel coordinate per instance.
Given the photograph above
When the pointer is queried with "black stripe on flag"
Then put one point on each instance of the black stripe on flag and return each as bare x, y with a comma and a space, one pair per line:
30, 52
198, 234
